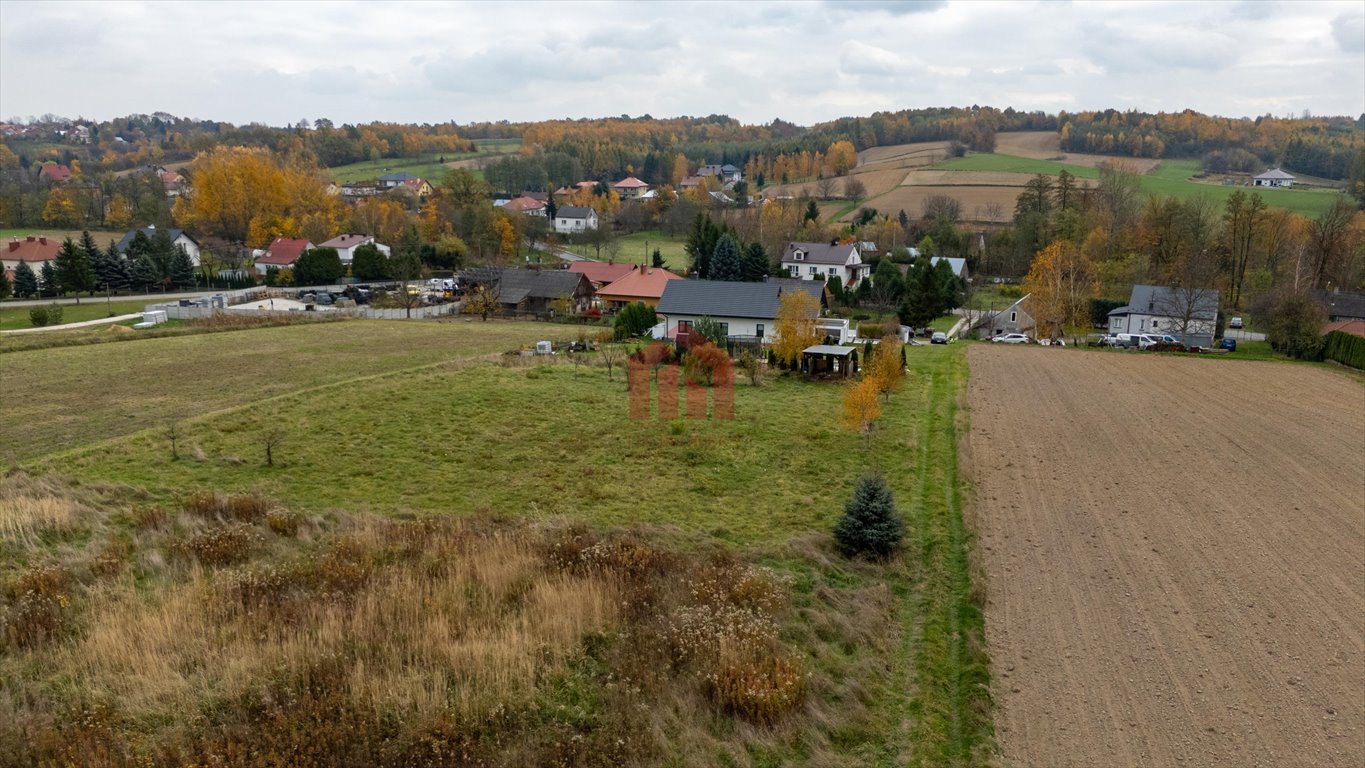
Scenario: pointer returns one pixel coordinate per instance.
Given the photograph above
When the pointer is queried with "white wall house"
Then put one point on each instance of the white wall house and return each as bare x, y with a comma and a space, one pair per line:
819, 261
178, 238
571, 219
347, 243
743, 309
1273, 178
1189, 314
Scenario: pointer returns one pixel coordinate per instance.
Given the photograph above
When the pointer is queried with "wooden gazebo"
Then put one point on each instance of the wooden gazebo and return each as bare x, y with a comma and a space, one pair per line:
829, 360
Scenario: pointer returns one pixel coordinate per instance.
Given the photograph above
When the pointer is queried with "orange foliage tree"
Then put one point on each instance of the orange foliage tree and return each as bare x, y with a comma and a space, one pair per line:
1060, 285
249, 195
861, 406
886, 367
795, 326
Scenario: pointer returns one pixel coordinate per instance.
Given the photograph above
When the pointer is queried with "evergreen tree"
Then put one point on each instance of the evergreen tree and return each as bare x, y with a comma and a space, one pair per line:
812, 212
701, 244
49, 284
887, 285
6, 287
89, 249
657, 260
922, 296
369, 263
870, 524
725, 264
25, 281
755, 262
144, 273
835, 285
120, 274
181, 269
139, 245
318, 266
74, 271
162, 251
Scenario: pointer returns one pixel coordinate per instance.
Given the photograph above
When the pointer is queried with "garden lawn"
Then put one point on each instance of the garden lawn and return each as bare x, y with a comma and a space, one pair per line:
14, 318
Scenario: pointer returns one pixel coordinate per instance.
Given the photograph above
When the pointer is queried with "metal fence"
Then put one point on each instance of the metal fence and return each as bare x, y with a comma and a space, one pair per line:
190, 309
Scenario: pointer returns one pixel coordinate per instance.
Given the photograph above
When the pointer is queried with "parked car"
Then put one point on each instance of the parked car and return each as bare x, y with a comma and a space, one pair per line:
1235, 322
1012, 338
1228, 344
939, 337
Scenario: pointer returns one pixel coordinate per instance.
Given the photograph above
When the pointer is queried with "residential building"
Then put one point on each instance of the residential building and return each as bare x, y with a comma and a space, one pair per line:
600, 273
571, 219
1273, 178
744, 310
419, 187
1342, 305
54, 172
178, 238
820, 261
728, 173
1012, 319
630, 188
526, 205
1189, 314
641, 283
33, 250
347, 243
398, 179
535, 290
357, 189
281, 254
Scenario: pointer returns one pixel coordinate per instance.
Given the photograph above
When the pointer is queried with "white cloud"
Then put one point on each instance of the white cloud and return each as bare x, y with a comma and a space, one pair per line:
805, 62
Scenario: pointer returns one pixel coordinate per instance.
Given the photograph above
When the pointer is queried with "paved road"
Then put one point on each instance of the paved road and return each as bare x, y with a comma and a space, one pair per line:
559, 252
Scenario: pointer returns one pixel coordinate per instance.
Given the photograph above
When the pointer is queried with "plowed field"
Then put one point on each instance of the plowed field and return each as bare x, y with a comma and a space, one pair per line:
1042, 145
1175, 551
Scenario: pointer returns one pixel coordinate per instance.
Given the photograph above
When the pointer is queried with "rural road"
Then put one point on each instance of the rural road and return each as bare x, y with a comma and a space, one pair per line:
559, 252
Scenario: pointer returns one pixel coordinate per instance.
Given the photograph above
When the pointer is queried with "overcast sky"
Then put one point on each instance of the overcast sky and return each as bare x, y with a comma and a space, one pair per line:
804, 61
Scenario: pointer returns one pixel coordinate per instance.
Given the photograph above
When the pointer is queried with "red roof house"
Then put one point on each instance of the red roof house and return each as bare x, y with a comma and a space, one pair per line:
599, 273
525, 204
33, 250
281, 254
55, 172
640, 284
630, 187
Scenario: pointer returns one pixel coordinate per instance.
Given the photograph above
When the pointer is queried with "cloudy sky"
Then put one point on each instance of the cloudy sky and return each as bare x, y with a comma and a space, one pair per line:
801, 61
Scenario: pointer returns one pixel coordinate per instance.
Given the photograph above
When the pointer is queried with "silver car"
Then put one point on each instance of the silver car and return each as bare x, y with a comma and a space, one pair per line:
1012, 338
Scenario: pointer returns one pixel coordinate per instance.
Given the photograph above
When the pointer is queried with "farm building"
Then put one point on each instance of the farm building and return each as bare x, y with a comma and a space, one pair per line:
530, 290
1189, 314
1273, 178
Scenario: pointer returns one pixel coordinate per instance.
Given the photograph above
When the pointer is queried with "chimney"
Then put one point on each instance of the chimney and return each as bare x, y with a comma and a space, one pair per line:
41, 240
14, 245
31, 239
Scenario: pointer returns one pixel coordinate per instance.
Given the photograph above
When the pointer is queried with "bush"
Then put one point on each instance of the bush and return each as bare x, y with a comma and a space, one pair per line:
54, 314
1295, 326
1346, 349
870, 524
38, 316
223, 545
634, 319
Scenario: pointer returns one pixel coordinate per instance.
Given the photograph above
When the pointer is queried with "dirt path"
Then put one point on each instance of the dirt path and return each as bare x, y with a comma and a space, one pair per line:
1176, 558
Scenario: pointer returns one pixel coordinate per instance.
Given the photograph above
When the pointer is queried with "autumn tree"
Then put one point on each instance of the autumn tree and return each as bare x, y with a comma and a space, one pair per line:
60, 210
841, 158
249, 195
887, 366
862, 408
1060, 285
795, 326
1241, 220
483, 301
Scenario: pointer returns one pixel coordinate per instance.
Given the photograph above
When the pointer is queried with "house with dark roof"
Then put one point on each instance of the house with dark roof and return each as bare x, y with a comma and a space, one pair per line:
1273, 178
1015, 318
575, 219
398, 179
178, 238
1342, 305
536, 290
1189, 314
744, 310
281, 254
820, 261
348, 242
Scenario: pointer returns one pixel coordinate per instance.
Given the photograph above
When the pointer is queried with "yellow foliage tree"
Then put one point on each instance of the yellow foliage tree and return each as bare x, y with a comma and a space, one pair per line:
841, 158
246, 194
60, 210
885, 367
508, 240
796, 315
1060, 285
680, 168
120, 213
861, 407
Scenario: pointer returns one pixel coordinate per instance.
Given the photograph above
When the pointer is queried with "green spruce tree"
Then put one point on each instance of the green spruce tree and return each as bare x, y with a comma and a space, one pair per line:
25, 281
74, 270
755, 262
49, 285
870, 524
725, 264
182, 269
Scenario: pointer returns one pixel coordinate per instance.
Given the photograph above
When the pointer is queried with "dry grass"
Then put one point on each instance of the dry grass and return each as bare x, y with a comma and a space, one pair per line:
24, 518
974, 200
1042, 145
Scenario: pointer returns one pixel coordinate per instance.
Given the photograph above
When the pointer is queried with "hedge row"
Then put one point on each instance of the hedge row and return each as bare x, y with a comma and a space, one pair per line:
1346, 349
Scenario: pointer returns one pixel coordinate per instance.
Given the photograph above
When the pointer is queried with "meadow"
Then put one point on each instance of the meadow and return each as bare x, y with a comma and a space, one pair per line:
90, 308
428, 166
418, 422
638, 248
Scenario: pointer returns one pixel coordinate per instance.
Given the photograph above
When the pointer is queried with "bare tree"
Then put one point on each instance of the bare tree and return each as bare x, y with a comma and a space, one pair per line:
610, 353
172, 435
271, 441
824, 188
942, 207
854, 188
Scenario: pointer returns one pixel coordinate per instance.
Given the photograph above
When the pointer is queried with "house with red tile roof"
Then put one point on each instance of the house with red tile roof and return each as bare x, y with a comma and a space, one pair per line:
33, 250
526, 205
281, 254
419, 187
641, 283
55, 173
599, 273
630, 188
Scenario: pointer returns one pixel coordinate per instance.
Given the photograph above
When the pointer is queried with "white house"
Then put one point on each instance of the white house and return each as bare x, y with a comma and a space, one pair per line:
742, 309
1189, 314
178, 238
347, 243
570, 219
1273, 178
818, 261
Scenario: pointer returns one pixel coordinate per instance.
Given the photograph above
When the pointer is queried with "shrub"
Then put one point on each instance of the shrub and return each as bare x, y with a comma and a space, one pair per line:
222, 545
282, 522
242, 507
54, 314
870, 524
38, 316
634, 319
38, 607
1346, 349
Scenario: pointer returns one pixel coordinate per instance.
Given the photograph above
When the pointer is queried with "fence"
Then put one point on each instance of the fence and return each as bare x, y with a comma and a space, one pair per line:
189, 309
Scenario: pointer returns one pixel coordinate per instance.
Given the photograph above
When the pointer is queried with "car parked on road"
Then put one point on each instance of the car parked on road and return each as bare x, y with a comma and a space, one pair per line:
1012, 338
1235, 322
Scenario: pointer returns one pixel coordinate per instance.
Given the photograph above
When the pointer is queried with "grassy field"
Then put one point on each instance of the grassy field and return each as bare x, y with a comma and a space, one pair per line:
383, 419
102, 237
427, 167
1010, 164
638, 248
1171, 178
12, 318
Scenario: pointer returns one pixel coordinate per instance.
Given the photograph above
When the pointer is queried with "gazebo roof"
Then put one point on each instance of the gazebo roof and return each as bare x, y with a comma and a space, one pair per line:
830, 349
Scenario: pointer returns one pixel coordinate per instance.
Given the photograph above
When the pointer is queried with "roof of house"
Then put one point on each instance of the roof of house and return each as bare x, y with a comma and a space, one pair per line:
150, 232
1353, 327
1164, 301
399, 176
575, 212
284, 251
31, 249
821, 253
523, 204
1342, 305
690, 181
629, 182
716, 298
348, 240
415, 183
1274, 173
639, 283
517, 284
55, 171
601, 272
958, 265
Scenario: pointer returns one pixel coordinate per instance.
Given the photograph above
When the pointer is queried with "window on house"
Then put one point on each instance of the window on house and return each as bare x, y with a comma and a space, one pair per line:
758, 330
815, 270
724, 329
1014, 317
798, 256
1154, 323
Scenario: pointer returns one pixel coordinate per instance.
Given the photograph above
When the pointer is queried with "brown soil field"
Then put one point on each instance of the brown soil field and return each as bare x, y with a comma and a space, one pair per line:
1175, 553
973, 199
1042, 145
974, 179
881, 169
905, 155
